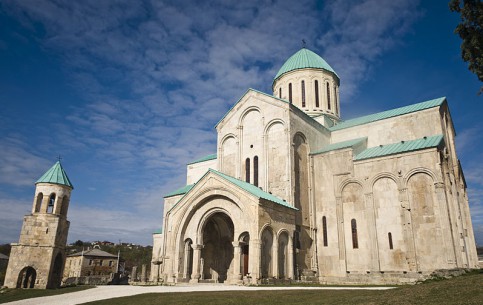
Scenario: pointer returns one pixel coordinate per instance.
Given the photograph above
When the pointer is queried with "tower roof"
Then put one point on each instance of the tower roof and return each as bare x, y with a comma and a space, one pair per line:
304, 58
56, 175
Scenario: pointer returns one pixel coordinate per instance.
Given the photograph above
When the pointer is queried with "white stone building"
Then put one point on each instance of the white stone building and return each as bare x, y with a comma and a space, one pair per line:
294, 192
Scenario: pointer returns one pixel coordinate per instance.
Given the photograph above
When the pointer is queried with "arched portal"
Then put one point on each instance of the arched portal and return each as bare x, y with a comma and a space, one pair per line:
266, 253
26, 278
57, 270
283, 255
245, 251
217, 253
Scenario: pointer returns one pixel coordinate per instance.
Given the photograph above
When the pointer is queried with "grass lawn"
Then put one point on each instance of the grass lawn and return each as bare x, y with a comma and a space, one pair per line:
465, 290
10, 295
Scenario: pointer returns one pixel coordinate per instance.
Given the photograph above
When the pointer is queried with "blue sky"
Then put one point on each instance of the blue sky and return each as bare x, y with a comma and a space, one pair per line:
128, 92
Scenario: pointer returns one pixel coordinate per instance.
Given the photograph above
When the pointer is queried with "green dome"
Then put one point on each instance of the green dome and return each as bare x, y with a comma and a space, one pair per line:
304, 59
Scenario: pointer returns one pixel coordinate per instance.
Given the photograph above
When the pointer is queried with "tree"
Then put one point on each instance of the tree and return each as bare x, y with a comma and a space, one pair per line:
471, 32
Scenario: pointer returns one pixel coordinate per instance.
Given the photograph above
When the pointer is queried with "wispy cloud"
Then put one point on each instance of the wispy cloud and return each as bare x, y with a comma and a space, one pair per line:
157, 75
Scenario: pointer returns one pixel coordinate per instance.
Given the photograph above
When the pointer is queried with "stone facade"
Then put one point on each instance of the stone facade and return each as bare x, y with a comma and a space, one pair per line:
294, 193
37, 260
89, 263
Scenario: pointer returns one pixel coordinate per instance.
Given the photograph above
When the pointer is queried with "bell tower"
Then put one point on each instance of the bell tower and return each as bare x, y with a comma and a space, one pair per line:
37, 260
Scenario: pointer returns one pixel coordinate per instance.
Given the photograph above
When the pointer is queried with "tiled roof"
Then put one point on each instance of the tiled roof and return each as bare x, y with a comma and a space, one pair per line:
56, 175
303, 59
250, 188
94, 252
180, 191
254, 190
401, 147
3, 256
388, 114
339, 145
203, 159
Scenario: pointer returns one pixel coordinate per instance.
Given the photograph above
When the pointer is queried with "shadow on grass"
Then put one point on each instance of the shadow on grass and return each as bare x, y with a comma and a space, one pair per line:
465, 290
10, 295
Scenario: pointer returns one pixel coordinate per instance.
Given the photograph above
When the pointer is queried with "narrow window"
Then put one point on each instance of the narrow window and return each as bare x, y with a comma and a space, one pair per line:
328, 96
355, 243
324, 230
255, 170
316, 93
50, 206
100, 263
389, 236
247, 170
335, 100
90, 262
110, 263
280, 92
290, 92
303, 93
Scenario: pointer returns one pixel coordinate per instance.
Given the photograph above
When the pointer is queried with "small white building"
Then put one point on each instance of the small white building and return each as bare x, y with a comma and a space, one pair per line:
294, 192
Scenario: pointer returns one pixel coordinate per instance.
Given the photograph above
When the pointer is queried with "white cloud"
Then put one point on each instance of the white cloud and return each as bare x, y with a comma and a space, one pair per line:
158, 75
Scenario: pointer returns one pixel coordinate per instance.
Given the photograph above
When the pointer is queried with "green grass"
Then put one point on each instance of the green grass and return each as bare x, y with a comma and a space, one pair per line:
10, 295
465, 290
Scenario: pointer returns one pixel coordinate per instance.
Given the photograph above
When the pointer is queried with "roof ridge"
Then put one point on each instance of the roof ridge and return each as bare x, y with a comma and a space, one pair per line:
400, 147
389, 113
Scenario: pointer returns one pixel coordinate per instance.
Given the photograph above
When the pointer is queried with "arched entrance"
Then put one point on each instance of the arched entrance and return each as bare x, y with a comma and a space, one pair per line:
26, 278
283, 264
56, 275
217, 253
266, 253
244, 245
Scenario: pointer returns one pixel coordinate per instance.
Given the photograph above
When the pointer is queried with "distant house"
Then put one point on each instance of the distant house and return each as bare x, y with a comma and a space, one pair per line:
3, 262
92, 262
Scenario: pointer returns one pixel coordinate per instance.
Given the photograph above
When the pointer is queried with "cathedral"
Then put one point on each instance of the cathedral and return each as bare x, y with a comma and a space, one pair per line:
294, 192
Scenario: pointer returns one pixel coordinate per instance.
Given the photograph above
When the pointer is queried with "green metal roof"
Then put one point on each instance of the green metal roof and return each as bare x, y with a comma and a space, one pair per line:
203, 159
158, 231
56, 175
388, 114
304, 59
339, 145
254, 190
401, 147
180, 191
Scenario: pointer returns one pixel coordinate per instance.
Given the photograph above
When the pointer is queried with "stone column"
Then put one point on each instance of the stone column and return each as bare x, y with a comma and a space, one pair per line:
134, 274
236, 261
447, 232
143, 273
371, 220
275, 257
254, 259
408, 230
195, 276
186, 260
290, 265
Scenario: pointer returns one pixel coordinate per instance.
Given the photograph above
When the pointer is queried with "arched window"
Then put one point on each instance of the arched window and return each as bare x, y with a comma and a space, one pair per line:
335, 100
355, 243
316, 93
38, 202
328, 96
389, 236
280, 92
247, 170
303, 93
50, 206
324, 231
255, 170
290, 92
